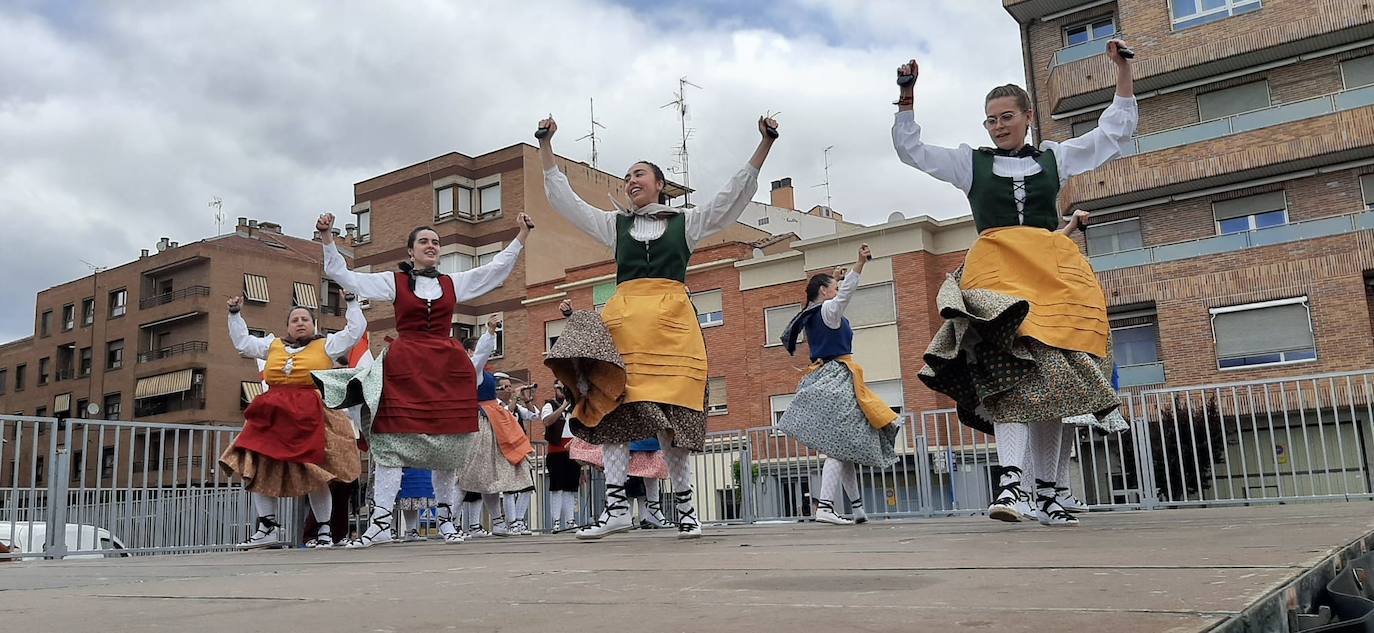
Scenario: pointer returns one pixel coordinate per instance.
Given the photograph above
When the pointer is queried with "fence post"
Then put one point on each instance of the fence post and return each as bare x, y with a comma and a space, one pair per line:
1144, 456
55, 545
746, 478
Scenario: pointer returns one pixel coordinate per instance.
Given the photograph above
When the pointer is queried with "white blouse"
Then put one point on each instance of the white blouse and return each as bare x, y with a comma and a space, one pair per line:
703, 221
468, 285
1074, 156
486, 346
335, 344
832, 310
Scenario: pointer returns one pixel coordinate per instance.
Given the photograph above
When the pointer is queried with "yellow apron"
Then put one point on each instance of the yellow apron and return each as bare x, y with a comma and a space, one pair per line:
1068, 308
655, 328
878, 413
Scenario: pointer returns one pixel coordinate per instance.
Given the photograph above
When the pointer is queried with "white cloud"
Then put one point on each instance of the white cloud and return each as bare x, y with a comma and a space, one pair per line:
120, 121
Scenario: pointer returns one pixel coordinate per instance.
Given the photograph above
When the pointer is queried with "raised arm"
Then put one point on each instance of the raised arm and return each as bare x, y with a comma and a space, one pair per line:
341, 342
1114, 130
952, 165
832, 310
486, 346
724, 210
366, 285
471, 284
248, 346
589, 219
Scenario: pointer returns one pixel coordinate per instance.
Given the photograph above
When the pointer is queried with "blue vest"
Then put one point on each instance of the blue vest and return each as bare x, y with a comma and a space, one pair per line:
487, 390
648, 445
827, 343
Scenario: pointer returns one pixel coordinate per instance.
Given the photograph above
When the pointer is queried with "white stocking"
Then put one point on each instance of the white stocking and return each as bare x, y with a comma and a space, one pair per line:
1045, 439
493, 504
264, 505
322, 504
849, 476
616, 459
386, 484
1012, 440
830, 483
410, 520
1065, 451
679, 467
445, 487
569, 507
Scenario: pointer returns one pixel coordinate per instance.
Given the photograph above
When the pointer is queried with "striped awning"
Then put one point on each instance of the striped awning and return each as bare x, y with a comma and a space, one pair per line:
163, 384
251, 390
254, 287
63, 402
307, 296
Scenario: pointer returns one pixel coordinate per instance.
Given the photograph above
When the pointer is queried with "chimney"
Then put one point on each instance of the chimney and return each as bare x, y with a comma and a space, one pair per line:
270, 227
173, 244
143, 254
162, 244
783, 195
252, 224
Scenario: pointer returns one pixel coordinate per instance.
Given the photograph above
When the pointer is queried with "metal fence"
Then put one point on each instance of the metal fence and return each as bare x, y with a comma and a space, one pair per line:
132, 488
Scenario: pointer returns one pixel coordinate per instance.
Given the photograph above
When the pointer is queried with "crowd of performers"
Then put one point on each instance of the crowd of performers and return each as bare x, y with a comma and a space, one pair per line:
1024, 351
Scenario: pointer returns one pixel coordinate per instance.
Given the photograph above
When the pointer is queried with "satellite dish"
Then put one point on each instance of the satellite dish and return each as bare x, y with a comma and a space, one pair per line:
92, 409
896, 216
758, 252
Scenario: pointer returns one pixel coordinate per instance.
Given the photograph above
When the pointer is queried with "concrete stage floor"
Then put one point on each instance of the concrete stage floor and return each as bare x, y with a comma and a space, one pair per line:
1175, 570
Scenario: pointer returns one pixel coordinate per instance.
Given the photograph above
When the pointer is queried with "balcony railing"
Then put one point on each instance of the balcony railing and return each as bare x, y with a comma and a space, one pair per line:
176, 295
1085, 50
1253, 120
189, 347
158, 406
66, 374
1232, 242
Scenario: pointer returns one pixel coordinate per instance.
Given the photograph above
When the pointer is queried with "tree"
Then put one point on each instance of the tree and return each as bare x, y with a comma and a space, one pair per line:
1183, 449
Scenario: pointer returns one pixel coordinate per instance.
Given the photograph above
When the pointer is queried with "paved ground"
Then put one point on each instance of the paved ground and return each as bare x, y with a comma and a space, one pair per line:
1182, 570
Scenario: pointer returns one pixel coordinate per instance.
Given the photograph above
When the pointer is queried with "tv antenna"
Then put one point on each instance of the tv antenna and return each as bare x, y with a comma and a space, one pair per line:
217, 204
683, 166
826, 184
591, 106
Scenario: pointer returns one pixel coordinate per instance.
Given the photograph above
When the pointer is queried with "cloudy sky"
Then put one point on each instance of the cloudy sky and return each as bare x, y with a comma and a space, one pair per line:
120, 121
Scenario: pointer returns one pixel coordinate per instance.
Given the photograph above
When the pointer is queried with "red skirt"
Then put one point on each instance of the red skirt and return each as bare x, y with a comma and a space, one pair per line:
285, 423
428, 386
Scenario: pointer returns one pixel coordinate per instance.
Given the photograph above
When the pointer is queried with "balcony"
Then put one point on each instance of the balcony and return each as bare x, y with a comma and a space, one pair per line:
1140, 375
1233, 242
170, 297
1281, 140
189, 347
1254, 120
1079, 79
1085, 50
1027, 10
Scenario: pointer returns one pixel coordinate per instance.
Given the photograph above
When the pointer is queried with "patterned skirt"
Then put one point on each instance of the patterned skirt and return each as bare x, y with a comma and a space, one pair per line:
487, 470
988, 355
275, 478
648, 464
826, 416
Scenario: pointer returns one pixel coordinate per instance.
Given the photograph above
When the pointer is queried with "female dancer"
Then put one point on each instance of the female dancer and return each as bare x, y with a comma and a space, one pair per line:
651, 322
291, 445
1026, 342
834, 412
421, 394
565, 475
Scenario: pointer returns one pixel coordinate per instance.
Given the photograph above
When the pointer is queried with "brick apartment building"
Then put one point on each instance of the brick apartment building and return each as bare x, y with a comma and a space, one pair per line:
148, 340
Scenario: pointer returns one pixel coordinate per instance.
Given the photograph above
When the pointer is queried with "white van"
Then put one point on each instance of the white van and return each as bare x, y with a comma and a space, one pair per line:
29, 538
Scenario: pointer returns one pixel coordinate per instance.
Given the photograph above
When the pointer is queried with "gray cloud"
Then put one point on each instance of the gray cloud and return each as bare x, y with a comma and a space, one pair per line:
119, 121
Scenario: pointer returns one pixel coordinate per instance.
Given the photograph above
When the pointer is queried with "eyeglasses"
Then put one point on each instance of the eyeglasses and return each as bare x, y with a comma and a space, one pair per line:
1005, 118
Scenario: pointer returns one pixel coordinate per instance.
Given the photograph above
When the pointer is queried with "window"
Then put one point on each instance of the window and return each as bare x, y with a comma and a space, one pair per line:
463, 331
68, 317
119, 302
42, 371
87, 311
84, 364
763, 221
1099, 29
305, 296
500, 336
41, 412
1251, 213
255, 288
490, 199
1234, 100
870, 305
45, 323
715, 405
107, 462
112, 406
19, 371
553, 330
364, 222
710, 312
452, 198
1357, 72
1083, 127
77, 465
1190, 13
38, 463
249, 390
601, 293
891, 393
1367, 190
1135, 344
81, 408
114, 354
775, 320
454, 263
779, 405
1114, 237
1269, 333
4, 379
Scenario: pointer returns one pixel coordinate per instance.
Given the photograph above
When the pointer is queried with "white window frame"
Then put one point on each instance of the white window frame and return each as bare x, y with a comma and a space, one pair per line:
1116, 29
1268, 91
769, 339
774, 411
724, 407
1306, 303
479, 196
709, 322
360, 211
1345, 84
1251, 217
1154, 324
1229, 10
892, 289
